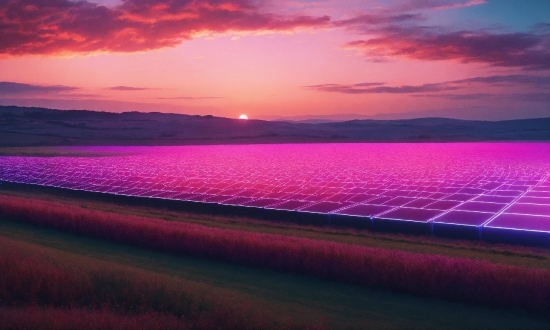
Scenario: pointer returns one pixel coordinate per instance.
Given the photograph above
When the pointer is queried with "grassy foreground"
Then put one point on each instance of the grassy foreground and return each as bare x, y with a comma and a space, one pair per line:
476, 250
277, 299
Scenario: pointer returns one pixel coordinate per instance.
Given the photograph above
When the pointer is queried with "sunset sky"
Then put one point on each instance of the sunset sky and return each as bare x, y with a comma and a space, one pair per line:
468, 59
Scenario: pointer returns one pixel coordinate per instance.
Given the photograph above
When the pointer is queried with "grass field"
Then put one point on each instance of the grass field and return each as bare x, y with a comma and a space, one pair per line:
477, 250
278, 299
52, 152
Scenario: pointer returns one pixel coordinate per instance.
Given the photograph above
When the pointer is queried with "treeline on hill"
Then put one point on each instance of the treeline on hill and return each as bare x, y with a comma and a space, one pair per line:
20, 126
437, 276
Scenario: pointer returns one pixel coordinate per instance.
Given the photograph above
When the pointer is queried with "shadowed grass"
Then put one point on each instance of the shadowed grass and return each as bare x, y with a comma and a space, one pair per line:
476, 250
287, 297
81, 318
424, 274
54, 152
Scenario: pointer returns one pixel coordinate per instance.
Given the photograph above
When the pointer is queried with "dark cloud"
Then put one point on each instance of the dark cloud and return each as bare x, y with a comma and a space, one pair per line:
10, 88
538, 82
64, 26
127, 88
396, 34
541, 81
524, 97
376, 19
408, 5
541, 28
522, 50
369, 84
364, 89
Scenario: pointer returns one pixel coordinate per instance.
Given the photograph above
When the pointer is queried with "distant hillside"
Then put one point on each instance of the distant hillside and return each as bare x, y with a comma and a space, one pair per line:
20, 126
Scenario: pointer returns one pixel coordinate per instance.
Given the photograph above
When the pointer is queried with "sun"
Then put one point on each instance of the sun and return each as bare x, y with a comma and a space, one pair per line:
243, 116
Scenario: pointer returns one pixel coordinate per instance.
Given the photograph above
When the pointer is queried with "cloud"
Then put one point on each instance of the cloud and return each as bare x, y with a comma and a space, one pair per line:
541, 81
360, 88
191, 98
65, 27
537, 82
435, 4
127, 88
11, 88
106, 105
524, 97
376, 19
522, 50
541, 27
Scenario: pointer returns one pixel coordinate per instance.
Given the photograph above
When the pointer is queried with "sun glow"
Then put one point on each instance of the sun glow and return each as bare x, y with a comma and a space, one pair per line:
243, 116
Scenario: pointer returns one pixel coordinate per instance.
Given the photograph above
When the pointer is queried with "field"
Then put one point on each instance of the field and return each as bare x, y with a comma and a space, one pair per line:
251, 289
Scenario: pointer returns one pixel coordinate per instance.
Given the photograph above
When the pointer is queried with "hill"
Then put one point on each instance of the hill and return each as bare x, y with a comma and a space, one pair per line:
22, 126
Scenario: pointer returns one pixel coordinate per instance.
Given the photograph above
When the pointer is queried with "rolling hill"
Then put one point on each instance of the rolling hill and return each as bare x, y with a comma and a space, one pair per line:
21, 126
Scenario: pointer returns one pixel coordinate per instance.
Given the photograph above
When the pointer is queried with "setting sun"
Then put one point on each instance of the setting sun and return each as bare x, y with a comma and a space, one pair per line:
243, 116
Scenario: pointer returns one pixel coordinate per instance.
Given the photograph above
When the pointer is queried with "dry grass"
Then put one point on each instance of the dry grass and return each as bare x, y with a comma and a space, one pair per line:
422, 274
475, 250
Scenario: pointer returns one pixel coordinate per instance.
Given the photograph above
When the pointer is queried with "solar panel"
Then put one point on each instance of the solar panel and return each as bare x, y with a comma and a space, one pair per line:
324, 207
521, 222
466, 218
365, 210
473, 189
411, 214
481, 206
531, 209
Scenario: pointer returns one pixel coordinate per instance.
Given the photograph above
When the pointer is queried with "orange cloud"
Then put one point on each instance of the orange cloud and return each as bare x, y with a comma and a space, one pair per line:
63, 26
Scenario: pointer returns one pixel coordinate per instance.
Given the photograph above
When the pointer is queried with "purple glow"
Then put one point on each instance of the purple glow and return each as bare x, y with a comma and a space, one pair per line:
455, 183
535, 200
459, 197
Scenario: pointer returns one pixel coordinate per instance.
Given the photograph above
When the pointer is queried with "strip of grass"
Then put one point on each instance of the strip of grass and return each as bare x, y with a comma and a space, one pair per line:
79, 318
289, 297
53, 151
437, 276
503, 254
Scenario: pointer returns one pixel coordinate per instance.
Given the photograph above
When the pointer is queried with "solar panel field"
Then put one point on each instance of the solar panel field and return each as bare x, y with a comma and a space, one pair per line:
492, 191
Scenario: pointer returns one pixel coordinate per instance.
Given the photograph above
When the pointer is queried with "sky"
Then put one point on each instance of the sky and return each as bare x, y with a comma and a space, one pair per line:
272, 59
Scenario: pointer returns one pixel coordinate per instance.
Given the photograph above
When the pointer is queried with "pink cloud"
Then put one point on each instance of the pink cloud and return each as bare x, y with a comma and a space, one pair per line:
14, 88
192, 98
127, 88
376, 88
524, 97
375, 19
63, 26
513, 81
524, 50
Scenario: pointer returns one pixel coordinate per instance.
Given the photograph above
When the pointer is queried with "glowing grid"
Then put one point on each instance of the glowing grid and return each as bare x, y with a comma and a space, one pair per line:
478, 185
